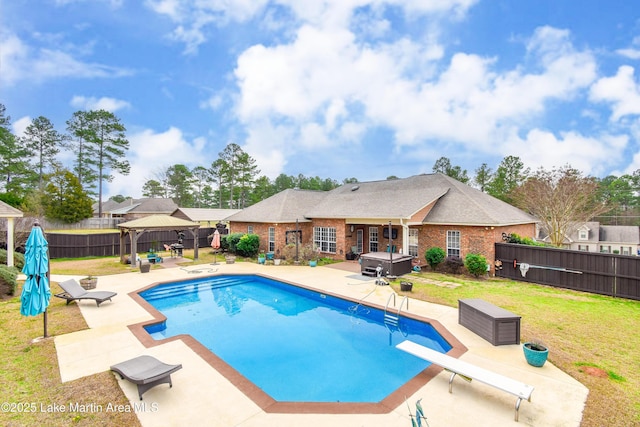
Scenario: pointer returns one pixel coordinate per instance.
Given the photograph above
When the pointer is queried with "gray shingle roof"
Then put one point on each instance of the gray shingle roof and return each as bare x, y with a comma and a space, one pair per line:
620, 234
455, 203
158, 221
285, 207
397, 198
150, 205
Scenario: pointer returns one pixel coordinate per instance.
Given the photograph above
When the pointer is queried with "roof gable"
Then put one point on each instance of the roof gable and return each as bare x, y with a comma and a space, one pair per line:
466, 205
288, 205
204, 214
158, 222
8, 211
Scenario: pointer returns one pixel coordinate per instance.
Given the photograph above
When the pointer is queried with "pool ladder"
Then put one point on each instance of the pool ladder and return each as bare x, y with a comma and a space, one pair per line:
392, 320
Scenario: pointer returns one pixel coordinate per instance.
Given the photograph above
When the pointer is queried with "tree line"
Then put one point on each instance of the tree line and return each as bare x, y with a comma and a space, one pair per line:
35, 181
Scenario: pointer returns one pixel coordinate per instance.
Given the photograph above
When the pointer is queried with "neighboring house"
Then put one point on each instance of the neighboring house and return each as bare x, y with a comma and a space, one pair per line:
132, 209
593, 237
423, 211
206, 217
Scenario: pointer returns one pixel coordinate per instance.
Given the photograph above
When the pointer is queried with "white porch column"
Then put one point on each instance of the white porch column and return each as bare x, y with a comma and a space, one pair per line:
10, 242
405, 238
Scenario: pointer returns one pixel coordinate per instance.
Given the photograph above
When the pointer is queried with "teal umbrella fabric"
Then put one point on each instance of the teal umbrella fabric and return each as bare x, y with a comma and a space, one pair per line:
36, 291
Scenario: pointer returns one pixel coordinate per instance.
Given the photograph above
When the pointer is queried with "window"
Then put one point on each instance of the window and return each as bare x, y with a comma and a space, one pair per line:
453, 243
584, 248
413, 241
625, 250
250, 229
324, 239
359, 239
605, 249
583, 234
373, 239
272, 239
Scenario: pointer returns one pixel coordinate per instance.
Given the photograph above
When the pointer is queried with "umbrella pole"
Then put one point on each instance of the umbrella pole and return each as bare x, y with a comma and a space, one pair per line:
48, 280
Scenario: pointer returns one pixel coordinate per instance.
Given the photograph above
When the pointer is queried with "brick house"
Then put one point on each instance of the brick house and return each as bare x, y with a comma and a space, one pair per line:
422, 211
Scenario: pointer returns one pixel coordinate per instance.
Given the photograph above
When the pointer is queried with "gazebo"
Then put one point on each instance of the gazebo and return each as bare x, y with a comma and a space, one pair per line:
137, 227
10, 213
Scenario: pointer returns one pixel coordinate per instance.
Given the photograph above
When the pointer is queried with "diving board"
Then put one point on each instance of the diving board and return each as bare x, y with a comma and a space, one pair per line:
458, 367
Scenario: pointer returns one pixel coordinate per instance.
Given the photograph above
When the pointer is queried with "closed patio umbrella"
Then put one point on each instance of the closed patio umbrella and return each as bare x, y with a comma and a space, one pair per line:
36, 291
215, 244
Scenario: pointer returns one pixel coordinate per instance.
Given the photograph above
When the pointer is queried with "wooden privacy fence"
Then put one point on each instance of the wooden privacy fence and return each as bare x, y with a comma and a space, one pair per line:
606, 274
108, 244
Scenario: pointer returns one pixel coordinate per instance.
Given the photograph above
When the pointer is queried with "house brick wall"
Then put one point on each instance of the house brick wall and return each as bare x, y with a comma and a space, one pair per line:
473, 239
262, 230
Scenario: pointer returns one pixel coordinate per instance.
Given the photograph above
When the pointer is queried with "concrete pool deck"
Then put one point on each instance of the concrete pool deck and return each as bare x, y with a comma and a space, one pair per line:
203, 396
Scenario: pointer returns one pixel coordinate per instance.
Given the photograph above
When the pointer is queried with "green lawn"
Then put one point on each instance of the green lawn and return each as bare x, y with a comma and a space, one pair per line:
591, 337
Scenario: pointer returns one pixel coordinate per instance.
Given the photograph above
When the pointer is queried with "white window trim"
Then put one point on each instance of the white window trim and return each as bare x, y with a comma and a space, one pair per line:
451, 248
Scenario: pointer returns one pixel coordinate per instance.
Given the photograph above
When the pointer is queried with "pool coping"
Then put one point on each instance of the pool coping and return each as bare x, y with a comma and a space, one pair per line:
262, 399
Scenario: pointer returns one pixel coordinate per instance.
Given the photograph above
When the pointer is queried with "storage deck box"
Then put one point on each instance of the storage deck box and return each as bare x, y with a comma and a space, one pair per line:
494, 324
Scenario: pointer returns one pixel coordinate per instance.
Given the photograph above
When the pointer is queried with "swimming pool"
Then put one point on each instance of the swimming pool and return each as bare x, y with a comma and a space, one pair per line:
296, 344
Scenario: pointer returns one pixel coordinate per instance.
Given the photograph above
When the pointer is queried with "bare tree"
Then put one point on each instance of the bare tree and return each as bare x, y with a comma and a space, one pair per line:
561, 199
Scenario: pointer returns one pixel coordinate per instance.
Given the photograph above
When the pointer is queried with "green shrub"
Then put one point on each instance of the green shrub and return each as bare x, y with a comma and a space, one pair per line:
18, 259
8, 279
248, 245
224, 244
434, 257
517, 239
232, 241
476, 264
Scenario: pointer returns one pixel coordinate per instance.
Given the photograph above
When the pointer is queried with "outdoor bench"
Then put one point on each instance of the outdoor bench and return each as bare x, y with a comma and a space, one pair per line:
494, 324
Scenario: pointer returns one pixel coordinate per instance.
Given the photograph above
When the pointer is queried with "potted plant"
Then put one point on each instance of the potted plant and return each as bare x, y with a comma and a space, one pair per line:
262, 258
535, 352
89, 282
276, 261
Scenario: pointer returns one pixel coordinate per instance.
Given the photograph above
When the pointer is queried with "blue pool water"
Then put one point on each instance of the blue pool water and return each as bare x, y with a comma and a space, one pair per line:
295, 344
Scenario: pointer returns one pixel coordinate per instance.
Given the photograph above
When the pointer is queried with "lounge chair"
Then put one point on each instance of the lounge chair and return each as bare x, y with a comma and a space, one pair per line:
146, 372
74, 292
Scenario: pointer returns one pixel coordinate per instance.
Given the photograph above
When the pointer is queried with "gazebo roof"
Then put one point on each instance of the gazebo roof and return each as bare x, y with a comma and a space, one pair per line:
158, 222
8, 211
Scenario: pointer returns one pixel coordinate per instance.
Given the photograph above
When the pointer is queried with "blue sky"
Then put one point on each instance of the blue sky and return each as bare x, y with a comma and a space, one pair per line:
335, 88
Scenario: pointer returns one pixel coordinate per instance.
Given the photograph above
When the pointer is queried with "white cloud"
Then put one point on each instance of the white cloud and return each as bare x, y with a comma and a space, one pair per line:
113, 3
323, 79
592, 155
20, 126
192, 18
22, 62
93, 103
621, 91
629, 53
150, 153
